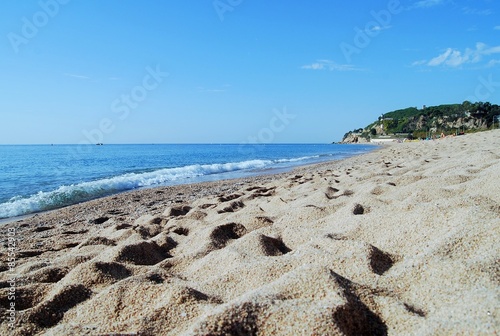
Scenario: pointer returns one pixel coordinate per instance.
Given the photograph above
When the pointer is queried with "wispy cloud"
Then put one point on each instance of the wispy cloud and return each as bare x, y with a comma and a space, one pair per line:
76, 76
329, 65
475, 11
379, 28
496, 28
454, 58
417, 63
427, 3
450, 57
493, 63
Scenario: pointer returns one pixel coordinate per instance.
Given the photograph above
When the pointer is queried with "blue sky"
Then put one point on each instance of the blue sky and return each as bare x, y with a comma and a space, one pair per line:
235, 71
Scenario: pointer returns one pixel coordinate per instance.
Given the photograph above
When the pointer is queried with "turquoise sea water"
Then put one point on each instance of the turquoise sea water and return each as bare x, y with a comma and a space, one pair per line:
43, 177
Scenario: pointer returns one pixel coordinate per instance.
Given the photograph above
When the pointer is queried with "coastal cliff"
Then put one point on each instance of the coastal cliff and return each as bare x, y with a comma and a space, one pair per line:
414, 123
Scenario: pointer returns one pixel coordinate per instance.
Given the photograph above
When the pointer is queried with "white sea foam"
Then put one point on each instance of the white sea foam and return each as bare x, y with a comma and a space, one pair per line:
76, 193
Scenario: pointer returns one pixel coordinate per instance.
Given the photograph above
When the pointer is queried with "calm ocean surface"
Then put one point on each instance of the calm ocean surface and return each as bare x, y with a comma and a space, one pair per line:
43, 177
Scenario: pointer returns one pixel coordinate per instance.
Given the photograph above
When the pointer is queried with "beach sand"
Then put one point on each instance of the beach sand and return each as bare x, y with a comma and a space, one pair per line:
401, 241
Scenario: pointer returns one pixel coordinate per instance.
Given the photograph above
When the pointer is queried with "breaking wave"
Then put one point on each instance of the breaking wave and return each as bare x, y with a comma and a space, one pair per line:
72, 194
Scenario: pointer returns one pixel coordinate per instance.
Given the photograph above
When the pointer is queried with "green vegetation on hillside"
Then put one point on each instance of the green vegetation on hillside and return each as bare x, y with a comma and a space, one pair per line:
421, 123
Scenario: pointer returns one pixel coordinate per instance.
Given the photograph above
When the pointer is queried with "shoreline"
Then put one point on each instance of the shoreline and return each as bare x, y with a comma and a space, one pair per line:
249, 175
400, 240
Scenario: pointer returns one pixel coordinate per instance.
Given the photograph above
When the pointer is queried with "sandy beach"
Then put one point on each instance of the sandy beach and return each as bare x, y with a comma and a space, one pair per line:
401, 241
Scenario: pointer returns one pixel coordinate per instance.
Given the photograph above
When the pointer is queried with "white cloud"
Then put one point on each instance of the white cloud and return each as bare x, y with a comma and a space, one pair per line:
76, 76
329, 65
378, 28
441, 58
314, 66
496, 28
455, 58
417, 63
485, 50
427, 3
475, 11
493, 63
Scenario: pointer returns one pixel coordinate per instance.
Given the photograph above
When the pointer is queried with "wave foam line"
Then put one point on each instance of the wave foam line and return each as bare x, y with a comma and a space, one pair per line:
85, 191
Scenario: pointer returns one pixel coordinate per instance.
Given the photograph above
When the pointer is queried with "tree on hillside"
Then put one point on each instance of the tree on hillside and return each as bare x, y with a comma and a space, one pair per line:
448, 118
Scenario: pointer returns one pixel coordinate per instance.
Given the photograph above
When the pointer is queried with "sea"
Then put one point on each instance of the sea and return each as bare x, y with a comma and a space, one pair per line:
35, 178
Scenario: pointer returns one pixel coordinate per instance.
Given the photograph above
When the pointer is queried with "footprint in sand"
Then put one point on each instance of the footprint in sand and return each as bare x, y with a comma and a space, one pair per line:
100, 220
234, 206
116, 212
43, 228
223, 234
66, 246
181, 231
331, 193
262, 191
98, 274
208, 206
198, 215
27, 296
29, 253
223, 199
51, 311
271, 247
144, 253
122, 227
48, 274
71, 232
98, 241
178, 211
149, 231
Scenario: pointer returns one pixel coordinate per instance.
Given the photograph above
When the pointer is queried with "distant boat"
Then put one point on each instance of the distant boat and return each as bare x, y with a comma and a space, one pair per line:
99, 144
